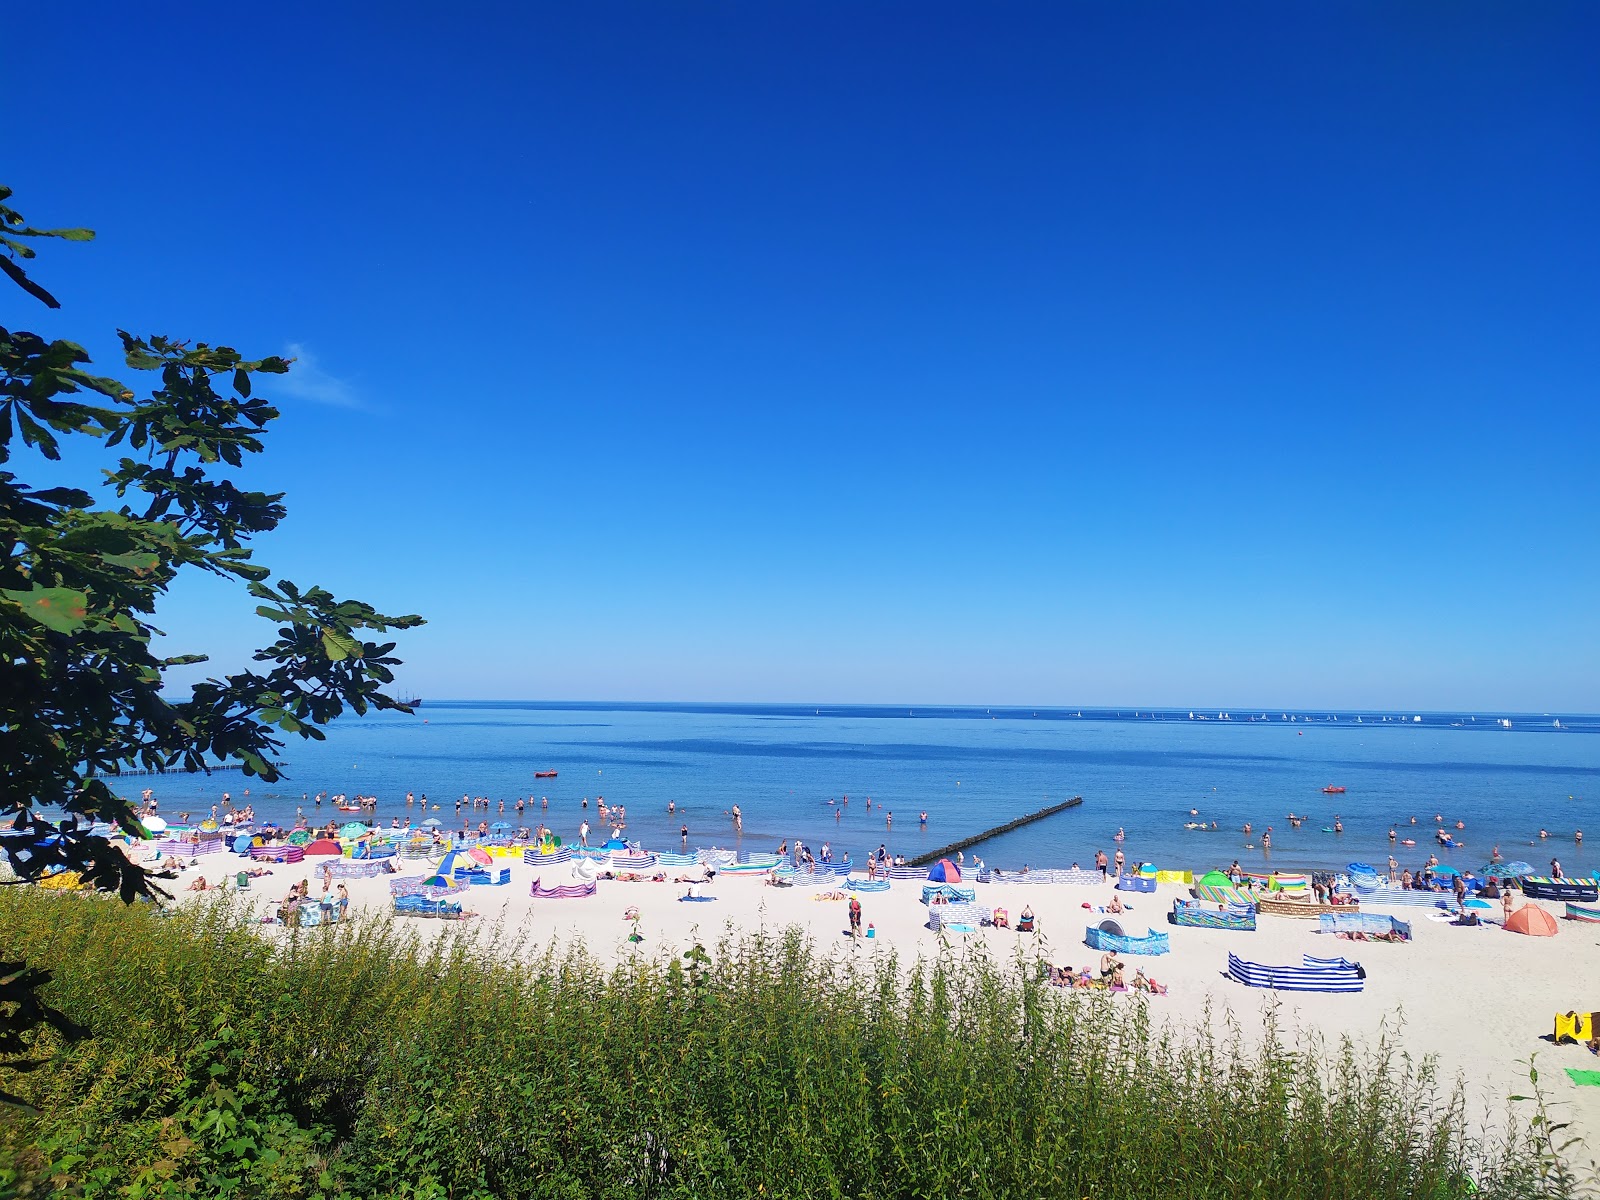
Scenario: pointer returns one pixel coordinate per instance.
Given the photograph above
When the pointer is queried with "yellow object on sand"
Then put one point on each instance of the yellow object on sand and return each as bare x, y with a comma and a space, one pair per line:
1174, 876
67, 881
1575, 1027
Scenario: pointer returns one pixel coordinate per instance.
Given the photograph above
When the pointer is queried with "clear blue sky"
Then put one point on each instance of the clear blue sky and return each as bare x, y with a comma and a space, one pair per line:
1182, 354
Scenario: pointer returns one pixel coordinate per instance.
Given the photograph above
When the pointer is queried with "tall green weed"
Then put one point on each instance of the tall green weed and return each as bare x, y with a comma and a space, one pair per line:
363, 1060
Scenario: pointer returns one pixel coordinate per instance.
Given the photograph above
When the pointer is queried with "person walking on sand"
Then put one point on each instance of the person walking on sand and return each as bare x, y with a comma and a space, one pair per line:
855, 917
1102, 862
1118, 860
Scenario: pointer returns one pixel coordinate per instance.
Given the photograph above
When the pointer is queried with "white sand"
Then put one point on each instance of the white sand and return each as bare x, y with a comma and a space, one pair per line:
1478, 998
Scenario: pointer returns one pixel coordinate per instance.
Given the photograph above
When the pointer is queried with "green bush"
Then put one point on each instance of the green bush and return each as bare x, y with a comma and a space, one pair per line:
363, 1061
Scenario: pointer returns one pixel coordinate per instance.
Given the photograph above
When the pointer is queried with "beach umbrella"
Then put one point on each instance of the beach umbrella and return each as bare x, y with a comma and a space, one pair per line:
1533, 921
478, 855
208, 825
432, 823
352, 829
155, 825
1517, 868
500, 825
1445, 871
241, 844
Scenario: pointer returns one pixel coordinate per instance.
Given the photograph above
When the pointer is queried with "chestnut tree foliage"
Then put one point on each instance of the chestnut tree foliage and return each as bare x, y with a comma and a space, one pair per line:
83, 696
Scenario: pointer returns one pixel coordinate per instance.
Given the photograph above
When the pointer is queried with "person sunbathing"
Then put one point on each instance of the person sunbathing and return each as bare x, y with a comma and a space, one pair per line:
1025, 921
200, 885
1116, 903
1142, 983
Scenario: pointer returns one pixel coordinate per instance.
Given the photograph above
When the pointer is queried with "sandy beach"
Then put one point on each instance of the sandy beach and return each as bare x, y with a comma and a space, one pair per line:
1480, 999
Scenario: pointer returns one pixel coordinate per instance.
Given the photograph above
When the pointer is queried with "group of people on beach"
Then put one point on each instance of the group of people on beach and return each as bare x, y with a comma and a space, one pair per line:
1110, 976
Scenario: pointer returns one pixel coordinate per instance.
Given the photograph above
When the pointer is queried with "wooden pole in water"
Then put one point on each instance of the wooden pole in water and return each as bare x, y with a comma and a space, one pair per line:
934, 856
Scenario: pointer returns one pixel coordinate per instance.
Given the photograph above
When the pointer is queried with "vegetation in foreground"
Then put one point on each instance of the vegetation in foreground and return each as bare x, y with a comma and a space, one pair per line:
360, 1061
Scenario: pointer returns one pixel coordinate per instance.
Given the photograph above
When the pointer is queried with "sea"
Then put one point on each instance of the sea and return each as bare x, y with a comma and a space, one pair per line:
1145, 773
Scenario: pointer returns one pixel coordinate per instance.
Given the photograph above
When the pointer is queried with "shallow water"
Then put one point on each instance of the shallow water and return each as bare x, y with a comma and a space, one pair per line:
971, 769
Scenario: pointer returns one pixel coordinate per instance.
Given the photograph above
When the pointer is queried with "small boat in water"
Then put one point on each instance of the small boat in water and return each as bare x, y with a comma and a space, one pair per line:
1333, 790
544, 774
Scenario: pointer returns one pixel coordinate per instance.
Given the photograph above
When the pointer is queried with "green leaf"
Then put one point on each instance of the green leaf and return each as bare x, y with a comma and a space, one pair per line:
139, 564
61, 609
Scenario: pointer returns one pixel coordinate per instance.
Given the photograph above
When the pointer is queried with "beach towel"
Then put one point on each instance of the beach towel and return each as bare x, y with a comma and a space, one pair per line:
1584, 1078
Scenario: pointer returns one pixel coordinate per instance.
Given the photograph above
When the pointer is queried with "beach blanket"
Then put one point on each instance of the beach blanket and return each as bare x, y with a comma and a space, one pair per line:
565, 891
1313, 975
1584, 1078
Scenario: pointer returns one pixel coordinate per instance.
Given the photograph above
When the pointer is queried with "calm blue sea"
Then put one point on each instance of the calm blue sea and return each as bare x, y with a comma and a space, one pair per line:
972, 769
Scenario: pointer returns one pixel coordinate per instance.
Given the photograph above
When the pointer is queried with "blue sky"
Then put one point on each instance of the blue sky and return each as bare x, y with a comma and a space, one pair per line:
1039, 353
